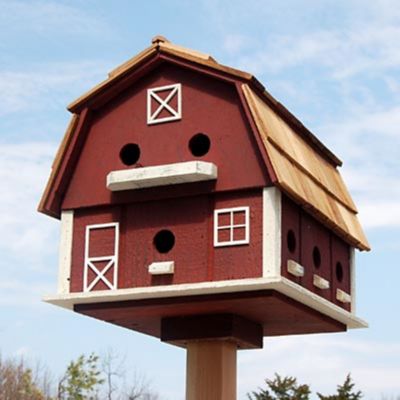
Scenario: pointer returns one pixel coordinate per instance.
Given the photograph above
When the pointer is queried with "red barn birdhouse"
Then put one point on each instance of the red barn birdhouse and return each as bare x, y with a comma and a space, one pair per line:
193, 205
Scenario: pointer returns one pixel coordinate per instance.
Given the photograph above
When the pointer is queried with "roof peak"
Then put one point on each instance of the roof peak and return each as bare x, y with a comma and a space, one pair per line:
159, 39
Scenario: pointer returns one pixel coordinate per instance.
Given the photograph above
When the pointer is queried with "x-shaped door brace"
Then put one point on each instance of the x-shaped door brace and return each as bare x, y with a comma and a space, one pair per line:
100, 274
164, 104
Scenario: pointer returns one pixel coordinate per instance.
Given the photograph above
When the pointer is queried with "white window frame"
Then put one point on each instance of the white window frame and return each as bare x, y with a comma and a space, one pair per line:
176, 89
112, 259
232, 226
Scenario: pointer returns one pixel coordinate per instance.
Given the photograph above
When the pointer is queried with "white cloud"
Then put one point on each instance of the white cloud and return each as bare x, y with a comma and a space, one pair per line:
50, 85
23, 352
26, 291
343, 53
323, 362
50, 16
369, 142
234, 43
367, 45
24, 234
384, 124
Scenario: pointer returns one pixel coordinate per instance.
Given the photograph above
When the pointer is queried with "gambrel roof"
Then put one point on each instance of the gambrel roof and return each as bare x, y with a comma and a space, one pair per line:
299, 164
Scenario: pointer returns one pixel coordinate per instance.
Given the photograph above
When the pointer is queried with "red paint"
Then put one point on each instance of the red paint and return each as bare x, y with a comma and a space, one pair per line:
209, 106
82, 218
242, 261
277, 314
290, 223
309, 234
252, 124
190, 220
73, 148
340, 254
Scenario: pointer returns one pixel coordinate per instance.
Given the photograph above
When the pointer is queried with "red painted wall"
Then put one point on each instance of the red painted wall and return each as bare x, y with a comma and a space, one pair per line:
310, 234
209, 106
191, 221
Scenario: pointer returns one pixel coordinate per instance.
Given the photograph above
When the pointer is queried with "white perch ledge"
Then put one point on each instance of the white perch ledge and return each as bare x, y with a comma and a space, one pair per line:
320, 282
343, 296
295, 269
161, 268
161, 175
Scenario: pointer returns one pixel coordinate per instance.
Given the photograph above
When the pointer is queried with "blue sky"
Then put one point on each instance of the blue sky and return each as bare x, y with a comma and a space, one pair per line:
334, 64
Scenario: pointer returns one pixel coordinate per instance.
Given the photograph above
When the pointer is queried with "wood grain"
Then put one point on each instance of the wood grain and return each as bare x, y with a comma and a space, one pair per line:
211, 370
305, 174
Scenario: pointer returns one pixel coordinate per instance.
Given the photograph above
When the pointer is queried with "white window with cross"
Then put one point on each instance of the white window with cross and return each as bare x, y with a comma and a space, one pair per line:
101, 257
164, 104
231, 226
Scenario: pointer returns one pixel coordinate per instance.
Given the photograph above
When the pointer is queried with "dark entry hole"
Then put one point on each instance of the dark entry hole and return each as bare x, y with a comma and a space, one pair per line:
339, 271
291, 241
316, 255
164, 241
199, 144
130, 154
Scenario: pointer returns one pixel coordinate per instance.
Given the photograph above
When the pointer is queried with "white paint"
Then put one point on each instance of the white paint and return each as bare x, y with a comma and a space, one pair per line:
164, 104
65, 253
161, 175
342, 296
232, 226
111, 259
162, 268
272, 232
282, 285
305, 296
320, 282
295, 269
353, 279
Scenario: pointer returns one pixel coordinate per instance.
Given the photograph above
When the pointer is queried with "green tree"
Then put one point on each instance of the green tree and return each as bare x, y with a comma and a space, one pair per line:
344, 392
16, 381
288, 389
281, 389
81, 380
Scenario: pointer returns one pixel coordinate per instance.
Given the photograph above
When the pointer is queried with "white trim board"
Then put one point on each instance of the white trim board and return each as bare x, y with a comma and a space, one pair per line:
272, 232
65, 252
161, 175
353, 279
282, 285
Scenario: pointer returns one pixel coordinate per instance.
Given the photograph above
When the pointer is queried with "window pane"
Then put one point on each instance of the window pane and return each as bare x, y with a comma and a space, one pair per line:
224, 235
239, 234
239, 217
224, 219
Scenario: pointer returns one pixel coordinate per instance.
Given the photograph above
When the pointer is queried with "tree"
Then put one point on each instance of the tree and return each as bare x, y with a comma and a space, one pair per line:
282, 389
344, 392
119, 386
16, 381
288, 389
81, 380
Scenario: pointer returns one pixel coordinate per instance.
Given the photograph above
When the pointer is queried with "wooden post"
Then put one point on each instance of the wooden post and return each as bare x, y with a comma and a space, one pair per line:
211, 342
211, 370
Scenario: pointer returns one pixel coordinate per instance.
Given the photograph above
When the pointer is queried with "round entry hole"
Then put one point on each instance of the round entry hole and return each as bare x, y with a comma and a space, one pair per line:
199, 144
339, 271
130, 154
291, 241
164, 241
316, 255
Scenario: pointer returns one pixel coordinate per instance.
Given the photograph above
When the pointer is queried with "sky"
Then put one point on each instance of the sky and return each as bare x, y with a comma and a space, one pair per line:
335, 64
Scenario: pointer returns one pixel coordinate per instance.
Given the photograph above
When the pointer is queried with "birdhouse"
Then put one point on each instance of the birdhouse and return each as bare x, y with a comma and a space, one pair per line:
193, 205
